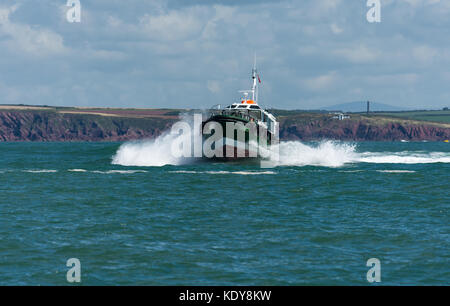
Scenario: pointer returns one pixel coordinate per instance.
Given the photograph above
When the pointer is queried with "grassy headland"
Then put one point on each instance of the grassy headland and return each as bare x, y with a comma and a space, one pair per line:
48, 123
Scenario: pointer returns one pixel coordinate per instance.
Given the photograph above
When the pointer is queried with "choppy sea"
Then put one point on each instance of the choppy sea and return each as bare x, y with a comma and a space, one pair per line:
133, 215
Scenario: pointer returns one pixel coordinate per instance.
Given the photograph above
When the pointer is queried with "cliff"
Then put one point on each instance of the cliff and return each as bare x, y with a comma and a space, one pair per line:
59, 126
360, 128
75, 124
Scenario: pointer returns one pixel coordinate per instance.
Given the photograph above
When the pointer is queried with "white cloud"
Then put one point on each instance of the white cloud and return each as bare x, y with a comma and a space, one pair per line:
425, 54
33, 40
336, 29
358, 54
392, 79
314, 51
174, 25
213, 86
421, 2
221, 13
9, 94
321, 82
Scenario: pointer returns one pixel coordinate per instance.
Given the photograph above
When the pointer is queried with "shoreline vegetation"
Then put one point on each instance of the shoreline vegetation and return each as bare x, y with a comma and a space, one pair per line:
49, 123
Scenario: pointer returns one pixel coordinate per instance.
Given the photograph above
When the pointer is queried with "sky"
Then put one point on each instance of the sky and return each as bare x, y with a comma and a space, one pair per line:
194, 54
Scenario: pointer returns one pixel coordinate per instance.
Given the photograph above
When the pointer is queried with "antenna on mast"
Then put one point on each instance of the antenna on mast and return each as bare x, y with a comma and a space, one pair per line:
254, 89
255, 84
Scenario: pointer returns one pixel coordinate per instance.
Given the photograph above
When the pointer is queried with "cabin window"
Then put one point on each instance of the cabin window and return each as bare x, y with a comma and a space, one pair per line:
255, 107
255, 114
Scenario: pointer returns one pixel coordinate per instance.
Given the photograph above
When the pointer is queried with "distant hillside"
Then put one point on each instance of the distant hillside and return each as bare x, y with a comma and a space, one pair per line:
361, 106
30, 123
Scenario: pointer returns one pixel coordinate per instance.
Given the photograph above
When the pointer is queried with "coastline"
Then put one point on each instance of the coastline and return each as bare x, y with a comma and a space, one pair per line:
65, 124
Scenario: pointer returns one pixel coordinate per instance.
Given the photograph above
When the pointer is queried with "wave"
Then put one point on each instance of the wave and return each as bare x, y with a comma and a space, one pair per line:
147, 153
406, 157
338, 154
226, 172
253, 173
41, 171
291, 153
83, 170
325, 153
158, 153
119, 171
396, 171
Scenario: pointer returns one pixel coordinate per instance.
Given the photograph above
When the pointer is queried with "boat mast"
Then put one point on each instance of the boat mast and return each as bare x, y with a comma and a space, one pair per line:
255, 84
254, 89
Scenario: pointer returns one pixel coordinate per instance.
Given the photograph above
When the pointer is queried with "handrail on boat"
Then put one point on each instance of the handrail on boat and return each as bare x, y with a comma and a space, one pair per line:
239, 113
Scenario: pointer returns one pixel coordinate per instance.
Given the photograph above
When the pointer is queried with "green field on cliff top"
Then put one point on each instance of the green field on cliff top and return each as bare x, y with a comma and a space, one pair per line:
441, 116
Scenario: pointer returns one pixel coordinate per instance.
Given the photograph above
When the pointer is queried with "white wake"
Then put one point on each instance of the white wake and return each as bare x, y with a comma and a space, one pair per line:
406, 157
325, 153
157, 153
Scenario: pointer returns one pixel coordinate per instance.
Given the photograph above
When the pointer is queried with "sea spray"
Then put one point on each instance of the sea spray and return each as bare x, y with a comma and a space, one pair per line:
405, 157
325, 153
155, 152
159, 152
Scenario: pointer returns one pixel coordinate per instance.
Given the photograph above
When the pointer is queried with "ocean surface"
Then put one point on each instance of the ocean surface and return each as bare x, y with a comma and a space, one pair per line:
133, 215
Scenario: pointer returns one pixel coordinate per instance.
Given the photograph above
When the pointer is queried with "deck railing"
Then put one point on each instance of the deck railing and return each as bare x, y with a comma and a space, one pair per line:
241, 113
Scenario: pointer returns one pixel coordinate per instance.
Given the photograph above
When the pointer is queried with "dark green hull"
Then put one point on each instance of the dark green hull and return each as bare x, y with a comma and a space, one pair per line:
223, 120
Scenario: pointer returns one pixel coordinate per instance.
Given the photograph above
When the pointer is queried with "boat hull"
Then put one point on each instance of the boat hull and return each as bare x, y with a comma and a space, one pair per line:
231, 148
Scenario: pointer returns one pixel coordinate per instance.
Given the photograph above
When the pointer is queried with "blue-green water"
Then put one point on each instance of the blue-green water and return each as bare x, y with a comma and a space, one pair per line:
314, 221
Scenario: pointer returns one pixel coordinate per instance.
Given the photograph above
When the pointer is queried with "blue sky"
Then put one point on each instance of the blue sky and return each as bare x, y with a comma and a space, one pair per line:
193, 54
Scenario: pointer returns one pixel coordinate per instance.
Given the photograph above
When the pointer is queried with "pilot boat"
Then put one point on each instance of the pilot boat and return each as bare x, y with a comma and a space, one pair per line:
245, 117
